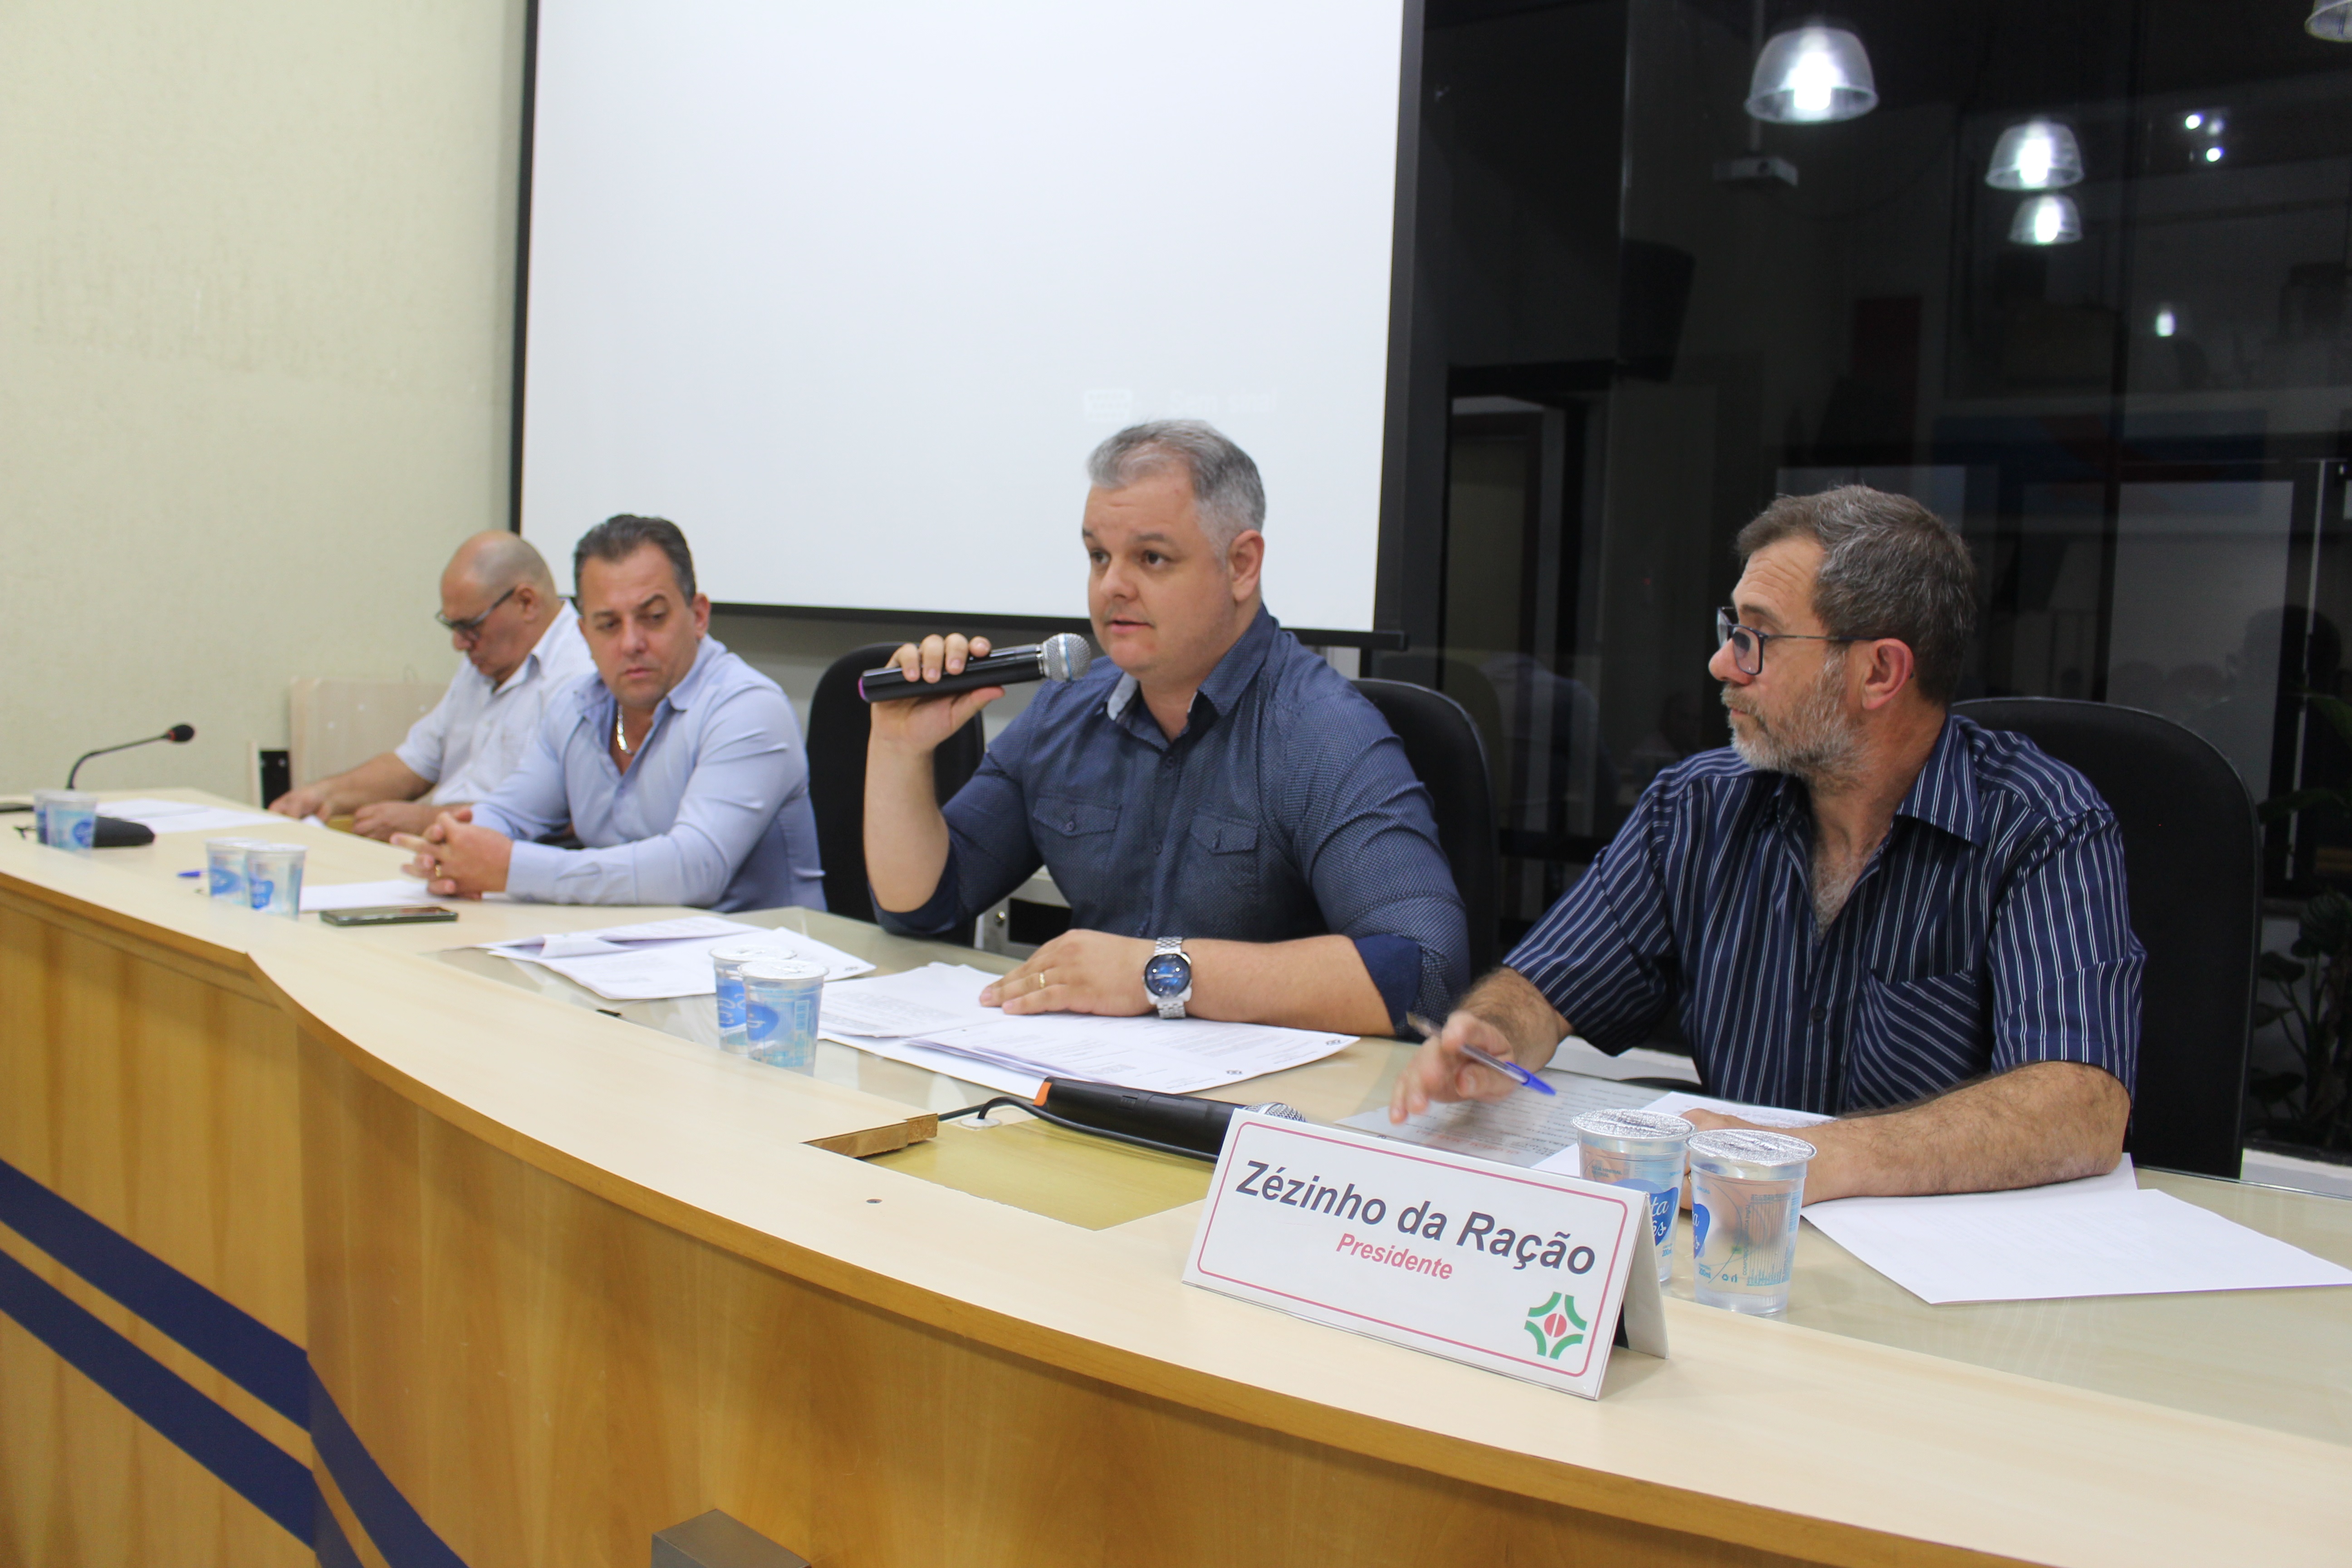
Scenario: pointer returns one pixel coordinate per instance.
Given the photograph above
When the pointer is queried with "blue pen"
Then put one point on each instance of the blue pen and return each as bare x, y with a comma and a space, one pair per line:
1511, 1070
194, 873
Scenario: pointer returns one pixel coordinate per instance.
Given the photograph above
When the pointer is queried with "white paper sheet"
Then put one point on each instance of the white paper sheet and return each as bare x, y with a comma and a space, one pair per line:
185, 817
662, 959
1677, 1102
366, 895
2100, 1236
611, 939
938, 1008
1523, 1128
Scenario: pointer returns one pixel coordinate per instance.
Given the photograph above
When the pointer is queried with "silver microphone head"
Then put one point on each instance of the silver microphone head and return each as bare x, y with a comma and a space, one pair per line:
1274, 1107
1064, 657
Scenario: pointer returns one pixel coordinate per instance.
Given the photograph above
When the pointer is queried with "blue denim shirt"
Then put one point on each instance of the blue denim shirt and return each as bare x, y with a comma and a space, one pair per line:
1992, 929
713, 812
1285, 809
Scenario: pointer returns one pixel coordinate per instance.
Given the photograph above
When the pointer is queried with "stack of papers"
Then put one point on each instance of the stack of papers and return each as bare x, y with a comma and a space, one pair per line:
1522, 1128
659, 959
182, 816
932, 1017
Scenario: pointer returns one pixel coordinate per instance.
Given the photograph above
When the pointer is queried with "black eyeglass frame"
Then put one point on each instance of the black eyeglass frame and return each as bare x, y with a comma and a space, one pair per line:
471, 627
1727, 630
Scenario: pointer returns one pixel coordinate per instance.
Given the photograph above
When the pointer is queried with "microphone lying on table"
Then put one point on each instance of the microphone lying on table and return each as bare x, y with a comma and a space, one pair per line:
1168, 1124
1061, 657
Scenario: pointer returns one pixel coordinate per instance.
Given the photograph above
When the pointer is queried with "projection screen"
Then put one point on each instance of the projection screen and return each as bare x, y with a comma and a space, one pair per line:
849, 291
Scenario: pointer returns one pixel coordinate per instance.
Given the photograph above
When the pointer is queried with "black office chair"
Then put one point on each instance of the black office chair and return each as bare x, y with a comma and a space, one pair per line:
838, 726
2192, 852
1449, 758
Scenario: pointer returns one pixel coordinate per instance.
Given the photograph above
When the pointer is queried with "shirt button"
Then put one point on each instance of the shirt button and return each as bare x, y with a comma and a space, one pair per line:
1071, 825
1819, 1013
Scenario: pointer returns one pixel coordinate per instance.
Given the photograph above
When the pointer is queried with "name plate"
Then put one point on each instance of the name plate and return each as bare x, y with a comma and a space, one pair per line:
1522, 1272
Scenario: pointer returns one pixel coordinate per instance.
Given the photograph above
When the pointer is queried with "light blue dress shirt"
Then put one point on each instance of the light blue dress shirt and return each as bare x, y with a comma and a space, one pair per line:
713, 813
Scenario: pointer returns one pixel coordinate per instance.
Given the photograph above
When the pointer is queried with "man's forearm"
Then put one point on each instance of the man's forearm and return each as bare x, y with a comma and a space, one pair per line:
906, 836
1315, 983
380, 778
2045, 1121
1509, 1001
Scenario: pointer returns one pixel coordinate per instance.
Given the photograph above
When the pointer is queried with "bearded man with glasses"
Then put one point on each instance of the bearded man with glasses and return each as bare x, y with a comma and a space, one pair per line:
522, 644
1865, 906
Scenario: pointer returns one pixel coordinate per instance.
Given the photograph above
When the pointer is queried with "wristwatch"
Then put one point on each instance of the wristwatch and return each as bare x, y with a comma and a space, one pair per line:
1167, 977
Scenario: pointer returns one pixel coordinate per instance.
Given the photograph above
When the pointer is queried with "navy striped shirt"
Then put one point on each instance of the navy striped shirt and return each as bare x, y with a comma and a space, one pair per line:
1989, 930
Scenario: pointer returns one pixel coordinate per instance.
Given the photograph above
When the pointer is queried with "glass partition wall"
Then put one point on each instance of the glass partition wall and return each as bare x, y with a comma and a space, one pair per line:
2073, 272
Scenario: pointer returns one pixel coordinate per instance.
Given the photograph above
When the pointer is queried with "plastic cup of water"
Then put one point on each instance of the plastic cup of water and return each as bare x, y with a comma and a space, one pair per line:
1642, 1150
225, 867
727, 962
66, 819
780, 998
273, 879
1746, 1189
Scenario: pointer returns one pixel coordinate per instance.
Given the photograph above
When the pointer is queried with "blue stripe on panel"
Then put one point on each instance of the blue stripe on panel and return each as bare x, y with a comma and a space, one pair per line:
250, 1353
332, 1547
392, 1523
252, 1466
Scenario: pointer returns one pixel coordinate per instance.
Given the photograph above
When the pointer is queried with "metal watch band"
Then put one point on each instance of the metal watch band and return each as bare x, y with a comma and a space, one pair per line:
1172, 1007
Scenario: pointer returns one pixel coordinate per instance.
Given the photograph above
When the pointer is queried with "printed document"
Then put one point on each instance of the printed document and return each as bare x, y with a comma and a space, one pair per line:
937, 1009
1523, 1128
367, 895
183, 816
659, 959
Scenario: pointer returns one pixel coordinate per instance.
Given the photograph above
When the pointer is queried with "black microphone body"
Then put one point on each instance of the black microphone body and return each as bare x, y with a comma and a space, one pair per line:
178, 734
1177, 1118
1061, 657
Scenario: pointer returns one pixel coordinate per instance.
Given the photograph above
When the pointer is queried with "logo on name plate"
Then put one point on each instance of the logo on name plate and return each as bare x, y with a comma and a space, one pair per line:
1551, 1322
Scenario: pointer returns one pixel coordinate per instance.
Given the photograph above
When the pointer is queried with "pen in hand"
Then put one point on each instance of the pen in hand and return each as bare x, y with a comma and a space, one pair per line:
1511, 1070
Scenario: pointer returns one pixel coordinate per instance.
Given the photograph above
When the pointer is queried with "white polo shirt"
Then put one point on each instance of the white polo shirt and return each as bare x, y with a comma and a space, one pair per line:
478, 732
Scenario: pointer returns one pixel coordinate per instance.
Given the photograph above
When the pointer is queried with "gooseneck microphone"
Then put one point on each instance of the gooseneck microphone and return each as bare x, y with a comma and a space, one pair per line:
178, 734
1178, 1122
1061, 657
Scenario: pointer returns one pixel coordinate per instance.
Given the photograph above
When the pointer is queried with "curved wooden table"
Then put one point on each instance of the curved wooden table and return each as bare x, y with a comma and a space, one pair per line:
509, 1282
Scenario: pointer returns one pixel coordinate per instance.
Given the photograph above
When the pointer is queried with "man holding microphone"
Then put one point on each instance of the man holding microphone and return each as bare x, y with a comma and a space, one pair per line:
1237, 831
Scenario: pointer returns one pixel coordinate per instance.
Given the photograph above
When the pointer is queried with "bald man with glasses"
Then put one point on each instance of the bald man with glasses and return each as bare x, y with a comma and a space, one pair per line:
522, 645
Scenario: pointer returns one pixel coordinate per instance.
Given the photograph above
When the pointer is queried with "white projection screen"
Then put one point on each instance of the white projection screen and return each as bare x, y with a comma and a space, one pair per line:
848, 291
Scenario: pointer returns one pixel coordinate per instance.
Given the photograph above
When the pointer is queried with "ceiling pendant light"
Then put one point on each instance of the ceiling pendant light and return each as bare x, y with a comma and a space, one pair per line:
2330, 19
2046, 220
1811, 74
2037, 155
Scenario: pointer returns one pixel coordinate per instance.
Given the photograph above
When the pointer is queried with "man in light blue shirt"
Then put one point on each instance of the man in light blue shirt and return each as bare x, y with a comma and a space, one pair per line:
681, 767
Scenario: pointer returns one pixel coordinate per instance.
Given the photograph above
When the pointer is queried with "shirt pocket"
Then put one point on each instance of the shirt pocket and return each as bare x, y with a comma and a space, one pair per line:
1912, 1038
1078, 840
1219, 883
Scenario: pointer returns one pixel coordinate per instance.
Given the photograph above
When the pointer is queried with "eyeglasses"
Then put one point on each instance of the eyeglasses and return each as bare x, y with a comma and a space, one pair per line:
1748, 643
471, 627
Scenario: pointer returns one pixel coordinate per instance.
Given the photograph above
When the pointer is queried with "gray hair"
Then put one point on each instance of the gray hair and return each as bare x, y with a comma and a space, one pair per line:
1891, 568
617, 538
1225, 486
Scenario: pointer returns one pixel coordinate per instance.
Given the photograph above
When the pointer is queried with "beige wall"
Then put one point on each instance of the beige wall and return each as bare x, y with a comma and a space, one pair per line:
255, 286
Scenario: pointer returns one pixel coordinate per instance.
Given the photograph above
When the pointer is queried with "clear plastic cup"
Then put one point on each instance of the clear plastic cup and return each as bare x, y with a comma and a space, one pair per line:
1746, 1189
780, 998
273, 879
224, 869
66, 819
727, 962
1642, 1150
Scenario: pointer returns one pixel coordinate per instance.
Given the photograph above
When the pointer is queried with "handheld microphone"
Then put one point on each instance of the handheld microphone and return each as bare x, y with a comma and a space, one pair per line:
178, 734
1180, 1120
1061, 657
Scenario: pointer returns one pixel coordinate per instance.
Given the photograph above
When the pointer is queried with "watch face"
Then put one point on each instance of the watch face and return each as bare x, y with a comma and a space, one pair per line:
1167, 974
